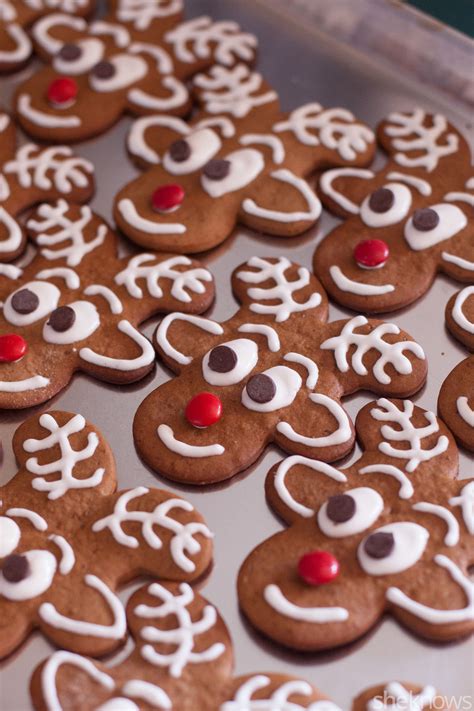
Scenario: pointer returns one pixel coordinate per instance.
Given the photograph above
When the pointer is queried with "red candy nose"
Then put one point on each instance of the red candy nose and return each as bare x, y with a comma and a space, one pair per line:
167, 198
203, 410
318, 567
62, 91
12, 348
371, 253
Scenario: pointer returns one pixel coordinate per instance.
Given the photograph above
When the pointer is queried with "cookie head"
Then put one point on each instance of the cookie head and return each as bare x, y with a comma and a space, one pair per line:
404, 223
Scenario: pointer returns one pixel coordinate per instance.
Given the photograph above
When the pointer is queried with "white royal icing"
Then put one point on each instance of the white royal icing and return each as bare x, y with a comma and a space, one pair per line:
287, 383
399, 210
145, 691
406, 490
22, 48
69, 457
390, 353
436, 616
423, 186
131, 216
14, 233
457, 312
182, 541
50, 670
452, 535
40, 118
36, 382
115, 305
368, 507
141, 13
69, 275
137, 143
202, 38
146, 357
426, 141
326, 184
273, 340
166, 435
91, 52
204, 143
42, 568
128, 70
410, 543
10, 535
231, 91
178, 96
356, 287
48, 297
458, 261
116, 630
464, 410
310, 365
247, 358
272, 142
34, 518
68, 559
119, 34
162, 340
465, 500
10, 271
279, 700
87, 321
316, 615
342, 434
182, 636
408, 433
286, 176
282, 291
451, 221
245, 165
45, 168
282, 488
40, 30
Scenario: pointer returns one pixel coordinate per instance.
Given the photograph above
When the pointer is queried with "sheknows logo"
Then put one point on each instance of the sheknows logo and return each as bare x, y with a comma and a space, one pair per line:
411, 701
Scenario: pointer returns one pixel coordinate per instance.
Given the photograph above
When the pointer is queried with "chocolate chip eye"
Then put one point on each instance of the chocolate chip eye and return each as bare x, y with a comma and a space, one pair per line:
15, 568
340, 508
222, 359
379, 545
70, 52
261, 388
180, 151
103, 70
62, 319
381, 200
217, 169
425, 219
24, 301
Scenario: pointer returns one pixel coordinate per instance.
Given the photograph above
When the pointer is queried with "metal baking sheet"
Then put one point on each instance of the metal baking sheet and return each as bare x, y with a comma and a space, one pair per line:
303, 65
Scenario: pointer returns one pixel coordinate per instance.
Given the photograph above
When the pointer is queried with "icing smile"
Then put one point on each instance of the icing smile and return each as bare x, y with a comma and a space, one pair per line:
166, 434
319, 615
19, 386
131, 216
40, 118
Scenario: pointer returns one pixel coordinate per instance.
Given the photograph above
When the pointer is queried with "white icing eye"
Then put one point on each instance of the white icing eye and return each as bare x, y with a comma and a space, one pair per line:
117, 73
392, 548
386, 206
231, 173
271, 390
78, 58
28, 575
350, 513
230, 362
430, 225
191, 152
31, 303
9, 536
68, 324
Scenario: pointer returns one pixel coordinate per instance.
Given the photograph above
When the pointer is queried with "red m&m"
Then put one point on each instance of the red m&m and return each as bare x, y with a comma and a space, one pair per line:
12, 348
371, 253
62, 92
167, 198
318, 567
203, 410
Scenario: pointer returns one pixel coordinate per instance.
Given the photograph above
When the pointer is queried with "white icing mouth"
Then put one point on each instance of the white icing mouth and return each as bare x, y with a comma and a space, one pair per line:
39, 118
166, 434
129, 213
319, 615
357, 287
19, 386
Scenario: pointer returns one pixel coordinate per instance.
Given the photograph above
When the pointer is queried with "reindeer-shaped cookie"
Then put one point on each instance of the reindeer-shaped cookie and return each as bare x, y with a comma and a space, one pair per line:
133, 60
76, 306
403, 224
456, 397
182, 661
16, 16
67, 541
275, 371
240, 161
30, 174
391, 533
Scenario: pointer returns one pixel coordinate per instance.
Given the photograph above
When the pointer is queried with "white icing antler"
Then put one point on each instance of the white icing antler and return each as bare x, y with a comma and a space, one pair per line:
390, 353
183, 636
232, 91
68, 230
183, 540
7, 11
408, 433
425, 139
197, 38
43, 167
66, 463
181, 280
279, 700
283, 289
142, 12
336, 129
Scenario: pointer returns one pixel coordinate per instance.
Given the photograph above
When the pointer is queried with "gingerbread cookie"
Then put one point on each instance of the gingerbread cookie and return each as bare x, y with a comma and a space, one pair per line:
136, 59
404, 223
16, 16
390, 533
76, 306
31, 174
456, 402
240, 161
182, 660
397, 696
459, 316
275, 371
68, 541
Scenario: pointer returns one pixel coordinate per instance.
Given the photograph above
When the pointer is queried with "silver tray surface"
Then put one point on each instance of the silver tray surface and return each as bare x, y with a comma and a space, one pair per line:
303, 64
